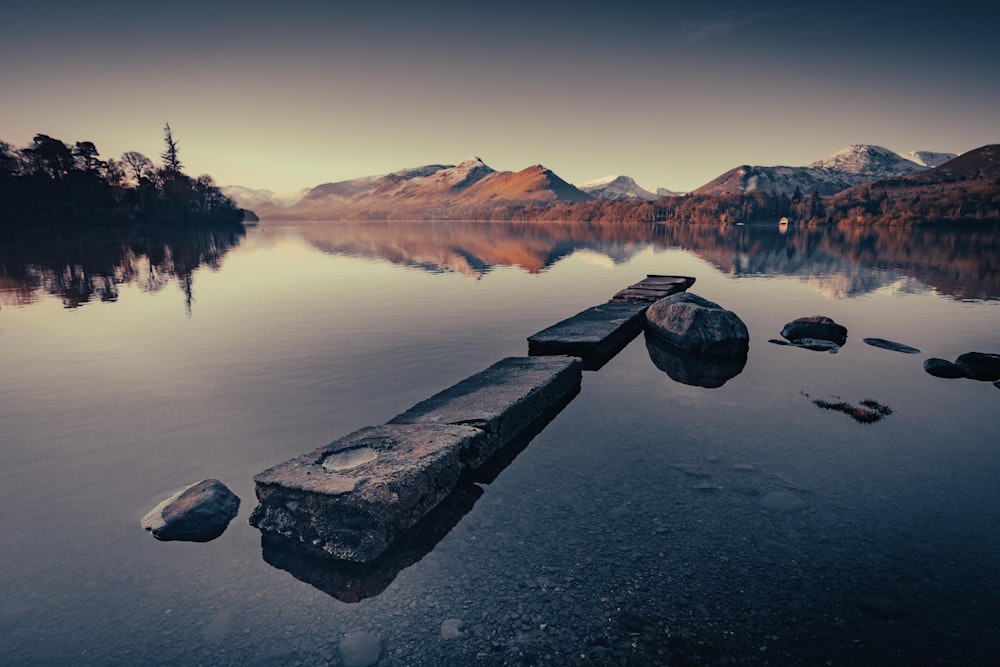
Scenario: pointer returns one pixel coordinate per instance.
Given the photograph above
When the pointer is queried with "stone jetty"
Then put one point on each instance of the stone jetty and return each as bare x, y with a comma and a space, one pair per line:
600, 332
352, 499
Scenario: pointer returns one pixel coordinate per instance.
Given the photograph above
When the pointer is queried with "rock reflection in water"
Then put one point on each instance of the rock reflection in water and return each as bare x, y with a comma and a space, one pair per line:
352, 582
690, 368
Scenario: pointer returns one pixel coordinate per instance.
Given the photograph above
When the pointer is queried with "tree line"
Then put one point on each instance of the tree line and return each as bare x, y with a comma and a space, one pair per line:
52, 182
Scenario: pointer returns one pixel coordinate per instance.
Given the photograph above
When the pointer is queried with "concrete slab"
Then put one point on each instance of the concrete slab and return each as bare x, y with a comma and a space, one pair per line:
595, 334
502, 401
352, 497
600, 332
653, 288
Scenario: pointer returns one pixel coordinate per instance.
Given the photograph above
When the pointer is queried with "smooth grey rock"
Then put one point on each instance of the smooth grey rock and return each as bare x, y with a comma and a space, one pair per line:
382, 480
503, 401
781, 502
815, 344
198, 513
360, 649
980, 365
943, 368
693, 369
815, 326
891, 345
698, 325
451, 628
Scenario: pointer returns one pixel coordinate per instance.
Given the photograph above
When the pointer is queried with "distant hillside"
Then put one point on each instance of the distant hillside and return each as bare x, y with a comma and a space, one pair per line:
617, 188
963, 190
469, 189
854, 165
255, 198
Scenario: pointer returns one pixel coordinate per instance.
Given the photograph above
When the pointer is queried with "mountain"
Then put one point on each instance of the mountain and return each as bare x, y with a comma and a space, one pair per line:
854, 165
929, 158
617, 188
964, 190
253, 198
470, 188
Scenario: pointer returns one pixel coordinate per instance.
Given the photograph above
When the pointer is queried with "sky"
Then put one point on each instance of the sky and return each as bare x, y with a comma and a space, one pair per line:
289, 95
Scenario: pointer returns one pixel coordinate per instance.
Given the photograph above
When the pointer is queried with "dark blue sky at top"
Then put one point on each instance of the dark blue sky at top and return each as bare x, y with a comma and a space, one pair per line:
519, 74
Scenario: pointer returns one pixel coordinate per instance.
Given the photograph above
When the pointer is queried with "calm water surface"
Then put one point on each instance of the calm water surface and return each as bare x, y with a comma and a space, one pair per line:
637, 528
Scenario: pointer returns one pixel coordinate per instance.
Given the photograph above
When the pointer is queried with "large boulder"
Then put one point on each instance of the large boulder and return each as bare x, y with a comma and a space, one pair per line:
816, 326
698, 325
198, 513
980, 365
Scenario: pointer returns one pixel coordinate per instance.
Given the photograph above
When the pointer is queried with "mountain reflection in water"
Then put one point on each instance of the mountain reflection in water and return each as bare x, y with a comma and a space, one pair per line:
840, 262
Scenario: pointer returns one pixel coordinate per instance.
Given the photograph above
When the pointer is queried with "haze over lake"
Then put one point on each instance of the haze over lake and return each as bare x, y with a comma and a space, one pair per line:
651, 522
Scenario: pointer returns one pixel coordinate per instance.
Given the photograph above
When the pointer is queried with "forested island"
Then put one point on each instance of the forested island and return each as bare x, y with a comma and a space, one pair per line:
50, 183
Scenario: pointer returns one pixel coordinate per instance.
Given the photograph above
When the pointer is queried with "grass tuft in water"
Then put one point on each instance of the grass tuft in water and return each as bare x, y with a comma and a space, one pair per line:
869, 412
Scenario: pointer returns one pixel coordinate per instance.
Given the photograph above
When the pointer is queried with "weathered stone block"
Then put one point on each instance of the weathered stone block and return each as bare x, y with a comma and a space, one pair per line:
352, 497
595, 333
599, 333
502, 401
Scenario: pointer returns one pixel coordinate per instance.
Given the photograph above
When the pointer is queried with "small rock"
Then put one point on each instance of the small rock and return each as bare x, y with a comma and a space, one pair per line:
891, 345
980, 365
942, 368
198, 513
705, 485
360, 649
451, 628
816, 344
816, 326
782, 502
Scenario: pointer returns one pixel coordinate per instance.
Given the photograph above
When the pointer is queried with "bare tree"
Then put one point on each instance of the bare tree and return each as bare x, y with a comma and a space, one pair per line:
140, 165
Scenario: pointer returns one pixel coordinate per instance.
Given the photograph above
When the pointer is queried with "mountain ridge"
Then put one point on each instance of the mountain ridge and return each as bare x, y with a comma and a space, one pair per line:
855, 165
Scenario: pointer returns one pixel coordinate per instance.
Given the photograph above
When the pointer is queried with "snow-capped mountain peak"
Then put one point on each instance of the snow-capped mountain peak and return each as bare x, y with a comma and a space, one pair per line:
617, 188
870, 160
929, 159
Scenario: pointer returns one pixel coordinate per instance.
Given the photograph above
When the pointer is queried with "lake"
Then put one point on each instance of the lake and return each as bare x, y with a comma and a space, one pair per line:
651, 522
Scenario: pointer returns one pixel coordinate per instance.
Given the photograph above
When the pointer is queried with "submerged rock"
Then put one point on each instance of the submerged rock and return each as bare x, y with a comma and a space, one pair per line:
698, 325
980, 365
942, 368
360, 649
781, 502
815, 326
815, 344
198, 513
891, 345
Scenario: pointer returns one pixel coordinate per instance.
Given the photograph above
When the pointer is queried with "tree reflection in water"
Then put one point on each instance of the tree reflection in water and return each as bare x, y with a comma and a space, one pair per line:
80, 267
